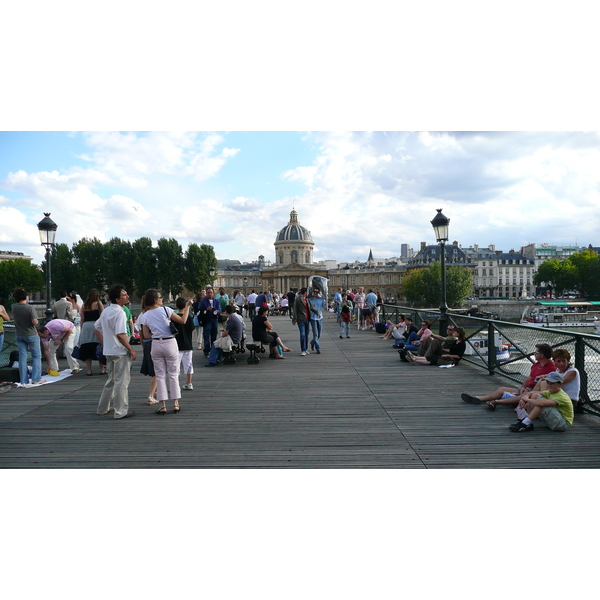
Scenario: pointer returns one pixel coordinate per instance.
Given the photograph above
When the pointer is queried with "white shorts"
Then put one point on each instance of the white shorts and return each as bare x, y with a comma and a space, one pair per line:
185, 357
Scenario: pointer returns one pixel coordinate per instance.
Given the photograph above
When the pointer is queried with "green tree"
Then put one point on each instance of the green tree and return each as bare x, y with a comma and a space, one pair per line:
575, 273
548, 273
170, 266
92, 262
120, 263
198, 262
145, 263
64, 270
19, 273
425, 285
583, 262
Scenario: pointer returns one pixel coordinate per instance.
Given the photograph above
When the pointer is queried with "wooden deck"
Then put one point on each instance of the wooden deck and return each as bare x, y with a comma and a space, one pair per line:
354, 406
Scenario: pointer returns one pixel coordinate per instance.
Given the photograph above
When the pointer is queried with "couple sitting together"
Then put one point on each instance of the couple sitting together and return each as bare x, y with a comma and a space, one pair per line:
437, 350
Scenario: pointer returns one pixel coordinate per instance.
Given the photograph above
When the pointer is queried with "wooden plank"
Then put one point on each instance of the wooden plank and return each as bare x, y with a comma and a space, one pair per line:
353, 406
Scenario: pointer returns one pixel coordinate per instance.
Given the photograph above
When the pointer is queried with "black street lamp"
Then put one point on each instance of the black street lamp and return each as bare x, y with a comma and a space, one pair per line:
213, 273
440, 226
47, 228
246, 287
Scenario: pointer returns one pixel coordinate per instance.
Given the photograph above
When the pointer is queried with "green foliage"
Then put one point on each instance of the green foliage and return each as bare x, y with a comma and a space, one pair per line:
170, 266
425, 285
92, 264
19, 273
580, 273
64, 270
197, 263
145, 263
120, 263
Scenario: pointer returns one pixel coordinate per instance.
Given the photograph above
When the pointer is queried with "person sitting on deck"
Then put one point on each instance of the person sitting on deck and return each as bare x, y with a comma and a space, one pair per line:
511, 395
409, 327
438, 344
441, 358
416, 338
571, 380
395, 330
553, 407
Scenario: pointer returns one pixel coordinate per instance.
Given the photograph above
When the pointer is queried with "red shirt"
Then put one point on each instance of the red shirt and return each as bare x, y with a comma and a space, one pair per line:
537, 370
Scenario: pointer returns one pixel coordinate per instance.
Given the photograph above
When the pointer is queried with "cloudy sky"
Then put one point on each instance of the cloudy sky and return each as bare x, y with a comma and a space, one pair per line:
353, 190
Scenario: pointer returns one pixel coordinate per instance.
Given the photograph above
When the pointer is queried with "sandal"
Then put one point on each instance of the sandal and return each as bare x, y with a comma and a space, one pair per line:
162, 411
176, 408
152, 400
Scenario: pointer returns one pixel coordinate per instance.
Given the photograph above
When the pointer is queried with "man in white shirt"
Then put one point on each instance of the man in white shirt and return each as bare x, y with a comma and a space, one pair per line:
252, 304
111, 331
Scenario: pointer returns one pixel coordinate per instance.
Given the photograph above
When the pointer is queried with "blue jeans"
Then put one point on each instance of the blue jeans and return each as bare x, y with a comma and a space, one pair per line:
210, 335
317, 327
344, 328
304, 326
216, 354
31, 343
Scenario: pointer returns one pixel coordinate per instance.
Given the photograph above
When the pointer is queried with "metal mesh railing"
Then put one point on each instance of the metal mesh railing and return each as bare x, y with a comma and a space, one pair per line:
510, 355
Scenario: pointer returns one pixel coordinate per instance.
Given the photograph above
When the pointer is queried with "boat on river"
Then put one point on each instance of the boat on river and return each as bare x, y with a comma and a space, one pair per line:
559, 314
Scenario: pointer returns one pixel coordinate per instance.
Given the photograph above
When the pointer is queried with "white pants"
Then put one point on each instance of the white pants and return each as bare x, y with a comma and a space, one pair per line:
68, 344
165, 356
116, 386
185, 357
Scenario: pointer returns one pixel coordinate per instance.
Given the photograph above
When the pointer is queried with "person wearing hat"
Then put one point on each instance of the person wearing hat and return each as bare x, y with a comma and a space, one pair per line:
553, 407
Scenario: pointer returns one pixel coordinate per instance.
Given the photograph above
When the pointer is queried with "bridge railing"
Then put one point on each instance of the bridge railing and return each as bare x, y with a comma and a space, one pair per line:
512, 352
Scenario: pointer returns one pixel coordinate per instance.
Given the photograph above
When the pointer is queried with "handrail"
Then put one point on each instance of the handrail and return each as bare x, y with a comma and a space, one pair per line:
519, 345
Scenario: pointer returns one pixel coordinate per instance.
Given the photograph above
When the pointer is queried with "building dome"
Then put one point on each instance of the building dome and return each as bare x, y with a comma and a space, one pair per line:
293, 231
294, 243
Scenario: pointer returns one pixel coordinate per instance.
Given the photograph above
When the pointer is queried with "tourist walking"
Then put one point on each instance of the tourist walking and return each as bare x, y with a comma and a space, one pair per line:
317, 304
345, 316
301, 315
25, 318
111, 330
165, 353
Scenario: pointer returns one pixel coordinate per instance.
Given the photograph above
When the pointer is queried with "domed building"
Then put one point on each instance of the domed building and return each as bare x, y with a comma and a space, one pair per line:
294, 243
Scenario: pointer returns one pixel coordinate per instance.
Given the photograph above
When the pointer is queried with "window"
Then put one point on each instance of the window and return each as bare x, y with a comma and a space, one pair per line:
294, 256
281, 258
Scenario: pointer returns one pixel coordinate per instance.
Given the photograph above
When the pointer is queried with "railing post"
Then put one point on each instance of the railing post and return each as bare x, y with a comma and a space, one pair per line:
580, 366
491, 349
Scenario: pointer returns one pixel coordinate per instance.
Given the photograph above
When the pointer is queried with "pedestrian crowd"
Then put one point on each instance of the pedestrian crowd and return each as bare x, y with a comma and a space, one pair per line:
212, 322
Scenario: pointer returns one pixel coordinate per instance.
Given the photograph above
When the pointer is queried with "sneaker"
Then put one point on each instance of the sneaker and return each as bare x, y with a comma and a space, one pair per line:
518, 427
341, 337
303, 354
410, 357
491, 405
318, 352
446, 366
347, 337
470, 399
187, 386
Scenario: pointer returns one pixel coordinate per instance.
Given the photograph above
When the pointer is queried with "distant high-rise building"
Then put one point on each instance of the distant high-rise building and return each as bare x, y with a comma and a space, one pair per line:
404, 251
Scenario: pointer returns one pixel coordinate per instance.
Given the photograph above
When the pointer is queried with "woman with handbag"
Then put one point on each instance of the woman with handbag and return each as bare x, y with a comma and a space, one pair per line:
159, 323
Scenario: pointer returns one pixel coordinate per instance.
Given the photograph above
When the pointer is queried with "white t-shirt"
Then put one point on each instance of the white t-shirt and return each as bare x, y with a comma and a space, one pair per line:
157, 321
111, 322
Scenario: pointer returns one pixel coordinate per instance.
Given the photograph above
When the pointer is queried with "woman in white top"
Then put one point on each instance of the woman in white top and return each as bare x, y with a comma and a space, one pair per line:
165, 353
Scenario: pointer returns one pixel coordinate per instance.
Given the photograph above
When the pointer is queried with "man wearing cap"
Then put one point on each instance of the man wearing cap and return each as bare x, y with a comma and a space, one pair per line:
553, 407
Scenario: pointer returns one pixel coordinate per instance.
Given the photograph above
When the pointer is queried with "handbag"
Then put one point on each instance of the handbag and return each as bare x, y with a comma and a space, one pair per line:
196, 322
75, 352
172, 325
224, 343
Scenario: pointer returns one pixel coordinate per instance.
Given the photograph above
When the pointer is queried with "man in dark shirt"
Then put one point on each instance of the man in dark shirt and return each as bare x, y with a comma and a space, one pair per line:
209, 309
234, 328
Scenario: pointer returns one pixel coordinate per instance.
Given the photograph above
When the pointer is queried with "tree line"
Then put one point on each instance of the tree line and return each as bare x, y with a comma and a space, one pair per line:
138, 265
579, 273
425, 285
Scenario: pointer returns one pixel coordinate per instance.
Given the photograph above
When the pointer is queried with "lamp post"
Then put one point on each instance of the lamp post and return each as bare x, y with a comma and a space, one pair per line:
47, 228
245, 287
213, 273
440, 226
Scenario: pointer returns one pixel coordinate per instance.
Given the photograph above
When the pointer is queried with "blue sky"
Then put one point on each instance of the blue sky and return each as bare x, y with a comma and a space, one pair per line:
353, 190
